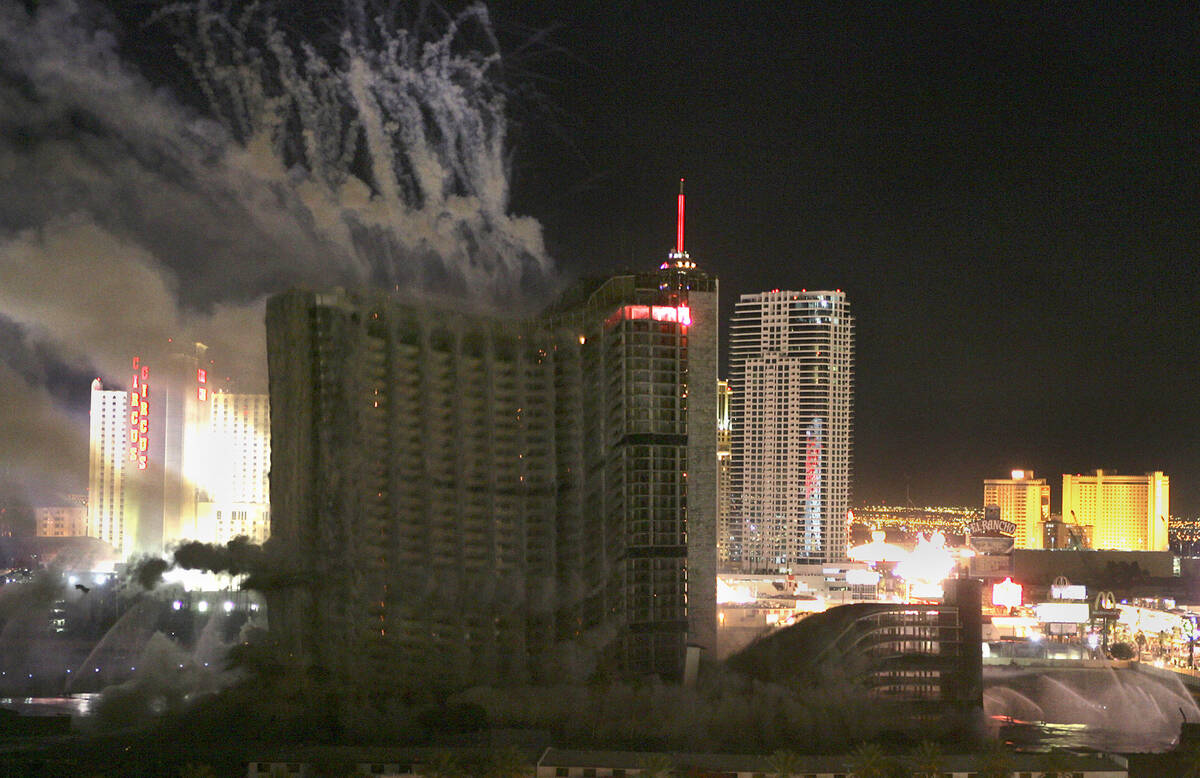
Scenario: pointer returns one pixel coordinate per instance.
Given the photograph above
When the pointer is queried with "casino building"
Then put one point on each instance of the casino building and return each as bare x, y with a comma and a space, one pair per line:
175, 458
478, 500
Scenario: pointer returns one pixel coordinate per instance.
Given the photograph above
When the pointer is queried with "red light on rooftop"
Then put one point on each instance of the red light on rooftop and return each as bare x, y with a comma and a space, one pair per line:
679, 223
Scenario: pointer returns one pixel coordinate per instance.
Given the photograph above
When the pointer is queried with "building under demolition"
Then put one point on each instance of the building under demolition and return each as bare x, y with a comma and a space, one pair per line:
478, 500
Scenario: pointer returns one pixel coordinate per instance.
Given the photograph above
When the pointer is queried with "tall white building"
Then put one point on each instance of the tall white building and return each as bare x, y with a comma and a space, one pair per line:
792, 377
107, 457
173, 460
234, 494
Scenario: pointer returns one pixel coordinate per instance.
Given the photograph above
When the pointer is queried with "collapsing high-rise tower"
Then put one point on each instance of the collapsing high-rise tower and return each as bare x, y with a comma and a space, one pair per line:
478, 500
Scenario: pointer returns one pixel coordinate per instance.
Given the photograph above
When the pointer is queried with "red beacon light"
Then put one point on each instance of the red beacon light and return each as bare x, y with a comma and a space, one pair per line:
677, 257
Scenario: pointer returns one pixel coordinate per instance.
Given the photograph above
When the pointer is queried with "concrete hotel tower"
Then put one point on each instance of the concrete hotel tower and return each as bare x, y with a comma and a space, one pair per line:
476, 500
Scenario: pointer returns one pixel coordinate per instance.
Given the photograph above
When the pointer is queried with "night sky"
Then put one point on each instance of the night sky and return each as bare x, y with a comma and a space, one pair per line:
1007, 194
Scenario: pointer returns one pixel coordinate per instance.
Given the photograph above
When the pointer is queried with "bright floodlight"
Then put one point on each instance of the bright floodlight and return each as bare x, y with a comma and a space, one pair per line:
177, 605
1007, 594
228, 606
730, 594
202, 606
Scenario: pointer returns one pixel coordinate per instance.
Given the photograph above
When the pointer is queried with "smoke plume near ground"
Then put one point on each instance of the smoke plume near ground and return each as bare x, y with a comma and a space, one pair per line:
129, 220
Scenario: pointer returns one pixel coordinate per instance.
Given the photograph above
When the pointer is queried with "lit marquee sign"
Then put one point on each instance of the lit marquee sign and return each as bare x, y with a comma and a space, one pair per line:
680, 314
139, 414
201, 384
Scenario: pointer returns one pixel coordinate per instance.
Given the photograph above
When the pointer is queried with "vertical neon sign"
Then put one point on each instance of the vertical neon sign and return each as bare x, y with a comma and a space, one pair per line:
139, 414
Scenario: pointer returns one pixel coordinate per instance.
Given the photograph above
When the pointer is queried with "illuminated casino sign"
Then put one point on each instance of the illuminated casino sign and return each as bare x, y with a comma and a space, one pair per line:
989, 526
201, 384
139, 414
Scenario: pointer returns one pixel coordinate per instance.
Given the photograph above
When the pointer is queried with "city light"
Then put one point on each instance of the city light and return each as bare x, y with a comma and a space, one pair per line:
730, 594
930, 561
1006, 594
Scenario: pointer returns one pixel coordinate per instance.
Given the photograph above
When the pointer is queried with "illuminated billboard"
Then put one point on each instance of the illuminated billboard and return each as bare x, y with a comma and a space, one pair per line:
1062, 612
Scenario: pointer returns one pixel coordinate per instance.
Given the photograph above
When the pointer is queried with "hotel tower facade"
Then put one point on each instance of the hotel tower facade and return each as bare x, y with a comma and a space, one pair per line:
488, 500
792, 378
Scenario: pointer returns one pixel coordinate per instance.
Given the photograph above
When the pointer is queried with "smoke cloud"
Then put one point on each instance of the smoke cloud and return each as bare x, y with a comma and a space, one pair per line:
148, 571
237, 557
129, 220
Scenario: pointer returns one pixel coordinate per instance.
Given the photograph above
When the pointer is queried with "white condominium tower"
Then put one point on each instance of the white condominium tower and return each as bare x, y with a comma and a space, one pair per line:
108, 489
792, 377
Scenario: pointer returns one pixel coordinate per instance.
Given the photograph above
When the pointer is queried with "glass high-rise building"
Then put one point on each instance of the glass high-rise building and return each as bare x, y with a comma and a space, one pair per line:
792, 377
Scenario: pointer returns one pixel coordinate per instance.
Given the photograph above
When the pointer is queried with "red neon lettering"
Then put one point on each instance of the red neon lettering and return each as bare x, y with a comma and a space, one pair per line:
202, 394
201, 375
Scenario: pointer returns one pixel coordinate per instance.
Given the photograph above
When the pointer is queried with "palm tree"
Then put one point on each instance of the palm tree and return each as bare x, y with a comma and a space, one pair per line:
927, 760
506, 763
994, 761
442, 765
657, 766
1056, 764
190, 770
785, 764
868, 761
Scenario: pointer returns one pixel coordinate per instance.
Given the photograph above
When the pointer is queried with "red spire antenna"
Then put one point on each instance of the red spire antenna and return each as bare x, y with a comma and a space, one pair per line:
679, 225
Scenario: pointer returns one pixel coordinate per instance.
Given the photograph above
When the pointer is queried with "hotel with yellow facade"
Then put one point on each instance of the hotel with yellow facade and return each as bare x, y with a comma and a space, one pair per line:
1023, 500
1127, 512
